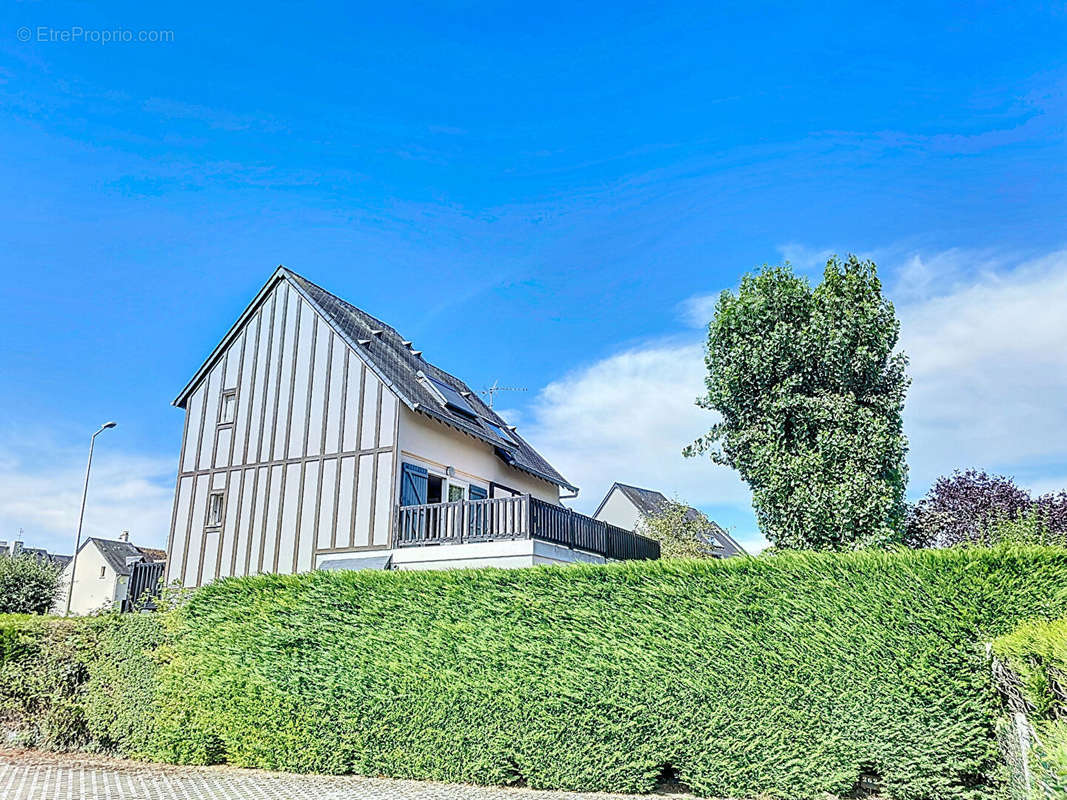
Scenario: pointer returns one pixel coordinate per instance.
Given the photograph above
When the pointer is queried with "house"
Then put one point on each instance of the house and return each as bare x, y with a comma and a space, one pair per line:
102, 577
627, 506
317, 437
18, 548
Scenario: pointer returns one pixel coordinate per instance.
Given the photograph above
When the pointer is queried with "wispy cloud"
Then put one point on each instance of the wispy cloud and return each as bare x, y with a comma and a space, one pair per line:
988, 366
626, 418
40, 493
985, 333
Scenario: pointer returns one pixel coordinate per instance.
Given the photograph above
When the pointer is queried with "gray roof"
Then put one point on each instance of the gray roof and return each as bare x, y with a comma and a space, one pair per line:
651, 503
394, 360
115, 553
37, 552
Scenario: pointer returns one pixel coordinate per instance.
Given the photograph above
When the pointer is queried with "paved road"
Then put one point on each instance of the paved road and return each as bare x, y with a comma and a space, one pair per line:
27, 775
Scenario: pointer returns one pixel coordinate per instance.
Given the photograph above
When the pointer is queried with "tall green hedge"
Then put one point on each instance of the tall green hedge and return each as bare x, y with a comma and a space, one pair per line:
80, 683
786, 677
44, 664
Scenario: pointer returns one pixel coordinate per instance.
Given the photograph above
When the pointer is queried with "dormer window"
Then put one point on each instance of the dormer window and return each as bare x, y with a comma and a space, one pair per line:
228, 407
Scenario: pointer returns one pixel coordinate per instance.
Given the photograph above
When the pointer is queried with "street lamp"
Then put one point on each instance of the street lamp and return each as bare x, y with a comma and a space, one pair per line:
81, 514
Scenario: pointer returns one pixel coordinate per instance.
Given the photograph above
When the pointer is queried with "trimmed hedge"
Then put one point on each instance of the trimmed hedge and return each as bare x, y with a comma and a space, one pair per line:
44, 664
1037, 652
787, 677
79, 683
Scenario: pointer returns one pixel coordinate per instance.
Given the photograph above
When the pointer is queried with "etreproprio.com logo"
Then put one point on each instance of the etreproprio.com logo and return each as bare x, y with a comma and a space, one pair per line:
79, 34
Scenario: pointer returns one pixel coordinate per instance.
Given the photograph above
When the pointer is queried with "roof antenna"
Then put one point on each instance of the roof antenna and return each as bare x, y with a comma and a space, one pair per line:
492, 390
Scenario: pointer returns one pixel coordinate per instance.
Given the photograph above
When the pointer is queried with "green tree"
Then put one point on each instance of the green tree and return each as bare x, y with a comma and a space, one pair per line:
811, 393
27, 585
680, 531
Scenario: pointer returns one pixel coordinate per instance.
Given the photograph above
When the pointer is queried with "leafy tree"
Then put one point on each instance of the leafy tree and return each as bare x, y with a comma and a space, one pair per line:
974, 507
811, 394
27, 585
680, 531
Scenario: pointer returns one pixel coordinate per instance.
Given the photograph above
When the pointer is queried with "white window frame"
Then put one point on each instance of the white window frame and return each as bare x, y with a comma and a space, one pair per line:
227, 393
209, 522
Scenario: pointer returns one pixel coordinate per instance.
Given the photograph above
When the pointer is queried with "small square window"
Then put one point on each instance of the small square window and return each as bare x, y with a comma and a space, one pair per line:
227, 407
215, 505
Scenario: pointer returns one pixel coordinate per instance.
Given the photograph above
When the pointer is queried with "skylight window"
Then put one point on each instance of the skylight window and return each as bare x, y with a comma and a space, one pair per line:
500, 432
453, 399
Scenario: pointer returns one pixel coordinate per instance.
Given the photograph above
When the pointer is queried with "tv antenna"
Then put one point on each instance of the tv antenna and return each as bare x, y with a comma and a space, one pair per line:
492, 390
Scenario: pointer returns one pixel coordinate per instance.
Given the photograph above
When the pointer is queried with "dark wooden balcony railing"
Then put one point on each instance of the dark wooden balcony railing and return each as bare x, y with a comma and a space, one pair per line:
519, 517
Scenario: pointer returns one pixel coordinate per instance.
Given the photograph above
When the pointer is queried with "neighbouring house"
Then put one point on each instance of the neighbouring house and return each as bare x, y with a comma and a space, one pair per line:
626, 506
18, 548
318, 437
109, 575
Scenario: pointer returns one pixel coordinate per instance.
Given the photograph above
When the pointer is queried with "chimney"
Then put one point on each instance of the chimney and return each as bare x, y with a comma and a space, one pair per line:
124, 536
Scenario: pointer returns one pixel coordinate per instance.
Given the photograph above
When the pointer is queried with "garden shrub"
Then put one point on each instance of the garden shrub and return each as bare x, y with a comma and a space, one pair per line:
44, 664
80, 683
786, 677
1037, 652
28, 584
120, 695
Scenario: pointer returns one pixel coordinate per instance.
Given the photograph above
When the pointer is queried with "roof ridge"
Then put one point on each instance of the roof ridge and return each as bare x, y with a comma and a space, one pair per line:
392, 360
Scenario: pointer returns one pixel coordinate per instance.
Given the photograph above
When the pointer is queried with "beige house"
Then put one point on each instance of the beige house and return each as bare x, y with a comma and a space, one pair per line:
102, 576
316, 436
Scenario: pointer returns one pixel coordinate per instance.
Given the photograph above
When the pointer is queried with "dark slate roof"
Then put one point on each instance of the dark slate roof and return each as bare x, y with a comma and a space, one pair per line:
116, 552
399, 365
394, 360
650, 503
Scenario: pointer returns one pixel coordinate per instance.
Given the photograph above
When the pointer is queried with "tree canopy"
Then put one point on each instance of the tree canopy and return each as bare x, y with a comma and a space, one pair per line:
27, 585
811, 393
975, 507
682, 532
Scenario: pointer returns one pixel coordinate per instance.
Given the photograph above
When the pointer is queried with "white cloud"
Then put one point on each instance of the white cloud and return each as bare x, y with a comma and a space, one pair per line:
804, 258
41, 485
698, 310
988, 366
626, 419
987, 339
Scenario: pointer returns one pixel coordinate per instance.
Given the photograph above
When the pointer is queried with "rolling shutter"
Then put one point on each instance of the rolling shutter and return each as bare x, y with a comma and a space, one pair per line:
413, 479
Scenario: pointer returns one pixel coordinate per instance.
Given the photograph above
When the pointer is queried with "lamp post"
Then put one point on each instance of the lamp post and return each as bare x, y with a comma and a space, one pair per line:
81, 515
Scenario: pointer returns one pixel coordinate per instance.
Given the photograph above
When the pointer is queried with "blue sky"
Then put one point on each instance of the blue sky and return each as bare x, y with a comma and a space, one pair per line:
545, 197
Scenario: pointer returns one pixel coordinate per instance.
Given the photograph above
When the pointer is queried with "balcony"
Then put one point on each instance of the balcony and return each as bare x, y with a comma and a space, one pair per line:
519, 517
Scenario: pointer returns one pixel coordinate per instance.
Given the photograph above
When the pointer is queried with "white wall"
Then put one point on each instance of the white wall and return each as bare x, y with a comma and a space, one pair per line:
91, 591
433, 445
513, 553
307, 466
618, 510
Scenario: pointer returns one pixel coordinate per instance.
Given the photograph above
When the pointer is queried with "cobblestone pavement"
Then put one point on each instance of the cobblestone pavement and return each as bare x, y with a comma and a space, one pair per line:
28, 775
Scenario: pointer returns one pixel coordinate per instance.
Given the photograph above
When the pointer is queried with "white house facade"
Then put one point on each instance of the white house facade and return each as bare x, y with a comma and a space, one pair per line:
101, 575
628, 506
317, 437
